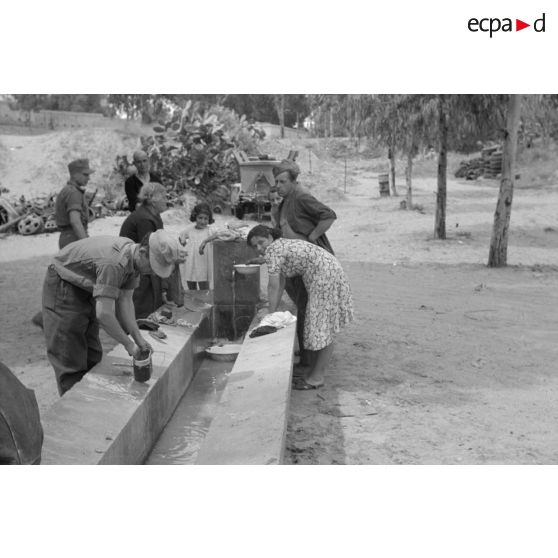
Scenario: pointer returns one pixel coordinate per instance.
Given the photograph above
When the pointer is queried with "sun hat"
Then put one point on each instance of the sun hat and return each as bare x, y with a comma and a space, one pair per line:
164, 253
80, 165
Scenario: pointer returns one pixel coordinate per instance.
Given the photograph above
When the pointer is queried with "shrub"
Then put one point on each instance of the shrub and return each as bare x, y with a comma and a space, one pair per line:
192, 149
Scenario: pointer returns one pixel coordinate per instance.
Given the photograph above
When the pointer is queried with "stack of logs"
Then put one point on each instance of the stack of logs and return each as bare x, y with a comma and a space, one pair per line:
488, 165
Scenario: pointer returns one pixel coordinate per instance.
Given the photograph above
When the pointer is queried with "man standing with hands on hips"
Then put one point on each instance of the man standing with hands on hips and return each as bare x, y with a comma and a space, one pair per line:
300, 215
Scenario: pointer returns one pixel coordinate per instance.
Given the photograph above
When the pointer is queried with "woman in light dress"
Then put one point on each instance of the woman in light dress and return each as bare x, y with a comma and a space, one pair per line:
330, 305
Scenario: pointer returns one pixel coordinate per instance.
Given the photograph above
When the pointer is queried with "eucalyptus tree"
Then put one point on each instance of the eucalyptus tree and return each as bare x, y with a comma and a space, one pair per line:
386, 127
405, 123
325, 109
441, 191
539, 118
498, 253
279, 104
463, 120
402, 123
416, 118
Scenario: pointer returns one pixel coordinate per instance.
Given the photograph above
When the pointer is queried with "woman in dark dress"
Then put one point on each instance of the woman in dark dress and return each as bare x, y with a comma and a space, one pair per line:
148, 296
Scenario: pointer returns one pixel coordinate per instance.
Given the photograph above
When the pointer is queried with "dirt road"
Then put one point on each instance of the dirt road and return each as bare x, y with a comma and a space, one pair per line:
444, 364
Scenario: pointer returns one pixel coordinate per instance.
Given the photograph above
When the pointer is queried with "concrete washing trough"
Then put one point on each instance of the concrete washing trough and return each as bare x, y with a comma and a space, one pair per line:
234, 415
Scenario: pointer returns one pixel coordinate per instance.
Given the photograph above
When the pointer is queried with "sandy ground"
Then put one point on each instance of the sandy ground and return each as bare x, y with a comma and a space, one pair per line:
447, 361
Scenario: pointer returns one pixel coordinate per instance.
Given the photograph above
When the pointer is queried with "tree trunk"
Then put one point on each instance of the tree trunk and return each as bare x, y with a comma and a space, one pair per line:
323, 129
280, 109
408, 180
391, 156
331, 128
356, 124
440, 222
282, 116
498, 254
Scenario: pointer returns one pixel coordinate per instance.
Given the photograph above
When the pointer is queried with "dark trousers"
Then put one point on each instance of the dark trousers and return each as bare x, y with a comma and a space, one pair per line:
71, 330
297, 293
148, 295
193, 285
175, 292
67, 236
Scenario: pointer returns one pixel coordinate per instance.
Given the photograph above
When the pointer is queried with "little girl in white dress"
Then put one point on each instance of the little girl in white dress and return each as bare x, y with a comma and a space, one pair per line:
196, 270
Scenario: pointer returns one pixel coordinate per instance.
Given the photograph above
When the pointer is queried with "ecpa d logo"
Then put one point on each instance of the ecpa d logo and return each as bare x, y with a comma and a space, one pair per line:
492, 25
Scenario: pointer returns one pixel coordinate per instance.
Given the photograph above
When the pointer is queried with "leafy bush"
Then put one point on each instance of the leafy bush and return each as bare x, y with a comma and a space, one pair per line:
193, 150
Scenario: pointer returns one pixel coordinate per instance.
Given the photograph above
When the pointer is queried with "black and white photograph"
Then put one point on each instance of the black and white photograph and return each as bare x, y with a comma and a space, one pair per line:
288, 272
415, 326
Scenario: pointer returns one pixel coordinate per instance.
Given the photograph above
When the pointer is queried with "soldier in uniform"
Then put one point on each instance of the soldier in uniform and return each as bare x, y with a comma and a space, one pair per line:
72, 211
90, 283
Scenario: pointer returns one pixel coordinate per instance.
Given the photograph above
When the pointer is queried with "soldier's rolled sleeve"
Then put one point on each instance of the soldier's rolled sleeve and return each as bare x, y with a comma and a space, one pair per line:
111, 279
74, 201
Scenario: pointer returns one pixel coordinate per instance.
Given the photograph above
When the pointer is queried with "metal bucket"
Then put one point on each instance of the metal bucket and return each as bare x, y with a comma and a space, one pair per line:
143, 367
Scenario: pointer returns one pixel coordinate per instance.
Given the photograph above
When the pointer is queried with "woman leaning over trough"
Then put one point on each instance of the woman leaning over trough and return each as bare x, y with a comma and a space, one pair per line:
330, 305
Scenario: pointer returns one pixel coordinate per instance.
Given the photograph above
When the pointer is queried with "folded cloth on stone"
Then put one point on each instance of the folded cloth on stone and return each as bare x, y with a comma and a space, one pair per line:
228, 234
147, 323
262, 330
274, 321
278, 319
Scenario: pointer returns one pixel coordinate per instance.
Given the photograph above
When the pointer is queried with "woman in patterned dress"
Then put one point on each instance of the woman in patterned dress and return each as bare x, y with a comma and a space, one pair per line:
330, 305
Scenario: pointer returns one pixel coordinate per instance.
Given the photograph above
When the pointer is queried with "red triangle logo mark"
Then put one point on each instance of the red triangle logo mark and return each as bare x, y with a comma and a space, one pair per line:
519, 25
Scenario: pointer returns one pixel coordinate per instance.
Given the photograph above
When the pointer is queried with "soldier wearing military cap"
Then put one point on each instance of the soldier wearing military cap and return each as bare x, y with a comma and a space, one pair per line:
97, 277
72, 211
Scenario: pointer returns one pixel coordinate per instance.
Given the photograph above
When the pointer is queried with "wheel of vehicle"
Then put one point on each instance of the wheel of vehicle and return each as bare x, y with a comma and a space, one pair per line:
4, 217
7, 211
32, 224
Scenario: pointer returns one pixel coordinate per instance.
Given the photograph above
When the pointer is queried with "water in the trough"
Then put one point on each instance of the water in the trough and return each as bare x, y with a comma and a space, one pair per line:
181, 439
183, 436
